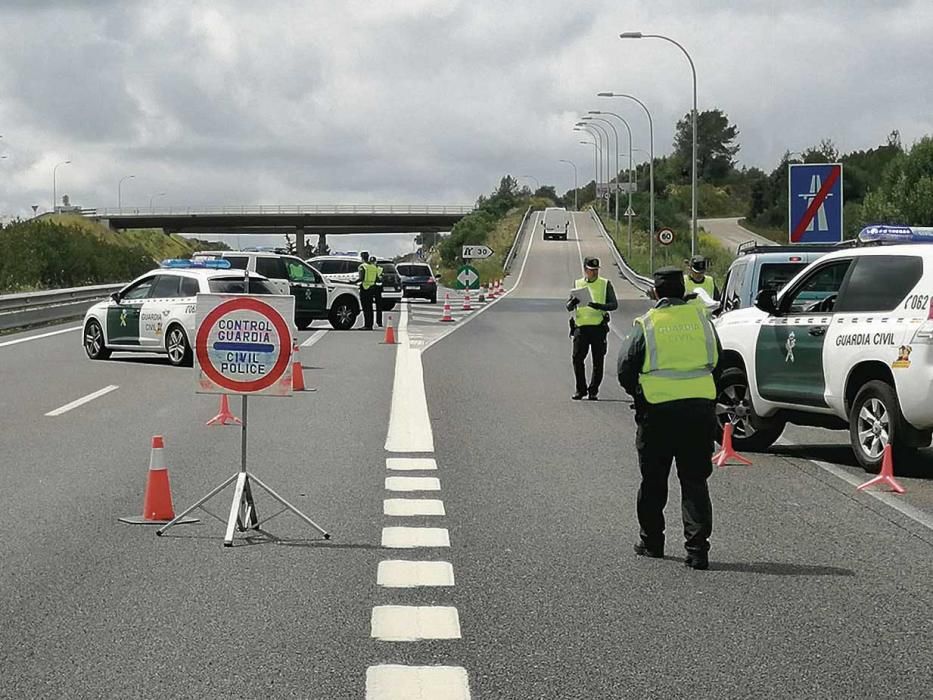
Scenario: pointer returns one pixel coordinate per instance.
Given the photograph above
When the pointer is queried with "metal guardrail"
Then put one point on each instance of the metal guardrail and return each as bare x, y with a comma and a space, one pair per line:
31, 308
288, 209
640, 282
516, 242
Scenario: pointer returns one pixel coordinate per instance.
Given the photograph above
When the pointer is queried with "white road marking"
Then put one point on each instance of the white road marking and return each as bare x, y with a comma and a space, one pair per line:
410, 623
412, 506
394, 682
414, 574
495, 301
412, 483
410, 537
316, 336
411, 463
889, 499
409, 421
40, 336
83, 400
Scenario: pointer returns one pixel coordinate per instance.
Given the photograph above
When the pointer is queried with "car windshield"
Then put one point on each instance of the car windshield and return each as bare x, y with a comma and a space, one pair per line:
414, 270
234, 285
775, 275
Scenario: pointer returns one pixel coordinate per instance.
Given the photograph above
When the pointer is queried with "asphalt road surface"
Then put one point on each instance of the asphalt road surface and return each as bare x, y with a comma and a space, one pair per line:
730, 233
517, 578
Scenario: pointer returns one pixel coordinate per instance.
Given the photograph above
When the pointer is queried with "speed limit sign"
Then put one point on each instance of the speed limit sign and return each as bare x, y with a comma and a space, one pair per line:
665, 236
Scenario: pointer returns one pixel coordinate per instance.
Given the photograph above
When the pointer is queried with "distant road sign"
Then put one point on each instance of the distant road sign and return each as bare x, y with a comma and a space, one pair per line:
665, 236
629, 212
476, 251
467, 278
815, 202
243, 344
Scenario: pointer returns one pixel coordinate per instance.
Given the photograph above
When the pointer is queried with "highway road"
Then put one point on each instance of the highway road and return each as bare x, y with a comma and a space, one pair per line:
730, 233
524, 584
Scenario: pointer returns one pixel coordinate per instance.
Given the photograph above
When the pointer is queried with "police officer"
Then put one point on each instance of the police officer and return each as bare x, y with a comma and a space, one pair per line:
697, 278
377, 291
669, 363
369, 273
589, 328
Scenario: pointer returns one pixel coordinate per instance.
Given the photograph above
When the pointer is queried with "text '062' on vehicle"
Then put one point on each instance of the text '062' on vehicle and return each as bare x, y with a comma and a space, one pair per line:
847, 343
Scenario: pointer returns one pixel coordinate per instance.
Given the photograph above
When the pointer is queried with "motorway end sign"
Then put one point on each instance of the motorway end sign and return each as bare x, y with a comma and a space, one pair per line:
814, 202
243, 344
467, 278
480, 252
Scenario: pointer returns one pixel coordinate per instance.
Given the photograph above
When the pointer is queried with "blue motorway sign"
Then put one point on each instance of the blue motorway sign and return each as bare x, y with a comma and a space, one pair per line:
815, 202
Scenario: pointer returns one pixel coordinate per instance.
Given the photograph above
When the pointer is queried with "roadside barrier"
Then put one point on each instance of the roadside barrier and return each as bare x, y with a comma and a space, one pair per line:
721, 458
447, 318
390, 333
157, 501
887, 473
225, 415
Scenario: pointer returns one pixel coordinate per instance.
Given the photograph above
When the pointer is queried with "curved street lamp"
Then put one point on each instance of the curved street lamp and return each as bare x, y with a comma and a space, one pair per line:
602, 138
616, 178
576, 206
155, 196
54, 183
532, 177
120, 190
595, 149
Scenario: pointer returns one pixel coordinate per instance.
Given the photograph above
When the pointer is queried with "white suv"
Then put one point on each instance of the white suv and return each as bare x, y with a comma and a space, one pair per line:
847, 343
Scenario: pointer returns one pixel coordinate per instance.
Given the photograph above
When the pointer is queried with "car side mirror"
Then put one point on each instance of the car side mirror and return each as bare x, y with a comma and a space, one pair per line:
116, 297
766, 300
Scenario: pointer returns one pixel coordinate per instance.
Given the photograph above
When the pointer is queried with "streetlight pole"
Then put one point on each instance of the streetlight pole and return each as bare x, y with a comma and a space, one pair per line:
155, 196
693, 185
576, 206
54, 183
120, 190
601, 136
595, 152
607, 149
650, 167
532, 177
631, 180
598, 155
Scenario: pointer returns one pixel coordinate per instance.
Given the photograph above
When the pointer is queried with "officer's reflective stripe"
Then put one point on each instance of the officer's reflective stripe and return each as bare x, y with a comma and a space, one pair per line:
680, 374
710, 340
652, 344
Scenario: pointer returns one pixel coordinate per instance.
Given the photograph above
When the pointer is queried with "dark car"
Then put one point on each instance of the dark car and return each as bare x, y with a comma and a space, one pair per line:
418, 281
391, 285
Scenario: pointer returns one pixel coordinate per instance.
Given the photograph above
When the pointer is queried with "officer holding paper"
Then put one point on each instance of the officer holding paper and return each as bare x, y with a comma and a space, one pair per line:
589, 327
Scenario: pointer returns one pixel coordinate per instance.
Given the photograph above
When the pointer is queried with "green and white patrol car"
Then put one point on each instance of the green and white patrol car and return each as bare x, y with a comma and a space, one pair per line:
847, 343
156, 311
316, 297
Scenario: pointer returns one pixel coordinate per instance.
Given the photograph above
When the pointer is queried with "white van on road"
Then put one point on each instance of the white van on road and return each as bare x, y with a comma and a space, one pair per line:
556, 223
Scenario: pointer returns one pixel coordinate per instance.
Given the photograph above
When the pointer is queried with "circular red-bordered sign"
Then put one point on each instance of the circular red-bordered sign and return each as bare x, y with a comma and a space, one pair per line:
665, 236
281, 329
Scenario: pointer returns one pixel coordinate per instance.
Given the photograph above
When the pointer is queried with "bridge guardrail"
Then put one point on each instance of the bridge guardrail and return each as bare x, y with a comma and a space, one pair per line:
289, 209
640, 282
30, 308
516, 242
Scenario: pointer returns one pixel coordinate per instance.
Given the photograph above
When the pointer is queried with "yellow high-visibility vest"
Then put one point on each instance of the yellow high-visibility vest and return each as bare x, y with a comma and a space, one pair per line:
370, 273
584, 315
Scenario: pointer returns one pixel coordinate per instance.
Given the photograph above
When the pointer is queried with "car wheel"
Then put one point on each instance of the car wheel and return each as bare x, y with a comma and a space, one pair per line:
94, 341
875, 420
733, 405
177, 347
343, 314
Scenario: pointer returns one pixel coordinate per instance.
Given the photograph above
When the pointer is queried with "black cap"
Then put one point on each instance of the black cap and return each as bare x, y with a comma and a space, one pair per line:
669, 282
592, 263
698, 263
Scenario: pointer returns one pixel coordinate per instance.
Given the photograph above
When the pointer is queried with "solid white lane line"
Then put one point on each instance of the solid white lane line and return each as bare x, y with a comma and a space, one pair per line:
495, 301
412, 483
40, 336
889, 499
409, 421
576, 235
411, 463
395, 682
410, 623
409, 537
396, 573
406, 507
83, 400
316, 336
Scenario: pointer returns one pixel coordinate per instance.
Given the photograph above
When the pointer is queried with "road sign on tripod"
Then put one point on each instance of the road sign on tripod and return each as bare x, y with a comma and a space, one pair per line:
814, 202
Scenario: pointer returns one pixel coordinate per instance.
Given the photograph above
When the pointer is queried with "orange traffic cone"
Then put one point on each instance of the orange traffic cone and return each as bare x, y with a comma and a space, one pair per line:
225, 415
721, 458
887, 473
492, 290
502, 287
482, 295
466, 303
390, 333
157, 502
298, 377
447, 318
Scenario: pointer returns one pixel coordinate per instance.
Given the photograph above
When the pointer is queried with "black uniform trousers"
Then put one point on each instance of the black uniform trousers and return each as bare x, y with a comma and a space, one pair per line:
377, 298
589, 339
367, 297
684, 431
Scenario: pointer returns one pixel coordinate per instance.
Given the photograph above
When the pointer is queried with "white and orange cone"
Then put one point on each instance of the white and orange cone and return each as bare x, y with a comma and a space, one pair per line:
482, 294
298, 377
157, 501
390, 333
466, 302
447, 318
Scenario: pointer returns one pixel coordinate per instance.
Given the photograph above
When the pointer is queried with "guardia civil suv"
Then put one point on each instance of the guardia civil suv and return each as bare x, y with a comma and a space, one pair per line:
846, 343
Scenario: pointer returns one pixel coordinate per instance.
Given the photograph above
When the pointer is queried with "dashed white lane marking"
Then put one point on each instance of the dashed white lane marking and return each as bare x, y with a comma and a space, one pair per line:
411, 463
410, 537
410, 623
40, 336
83, 400
394, 682
407, 507
396, 573
412, 483
316, 336
409, 422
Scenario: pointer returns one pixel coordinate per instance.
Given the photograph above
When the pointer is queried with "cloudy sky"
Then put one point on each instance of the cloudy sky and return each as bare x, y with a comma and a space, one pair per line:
422, 101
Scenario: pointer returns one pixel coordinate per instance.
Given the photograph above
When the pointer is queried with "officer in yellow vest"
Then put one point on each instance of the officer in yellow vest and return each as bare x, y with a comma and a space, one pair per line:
697, 278
590, 327
670, 364
369, 274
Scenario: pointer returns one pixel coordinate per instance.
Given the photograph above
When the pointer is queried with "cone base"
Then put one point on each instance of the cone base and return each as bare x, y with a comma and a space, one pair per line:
140, 520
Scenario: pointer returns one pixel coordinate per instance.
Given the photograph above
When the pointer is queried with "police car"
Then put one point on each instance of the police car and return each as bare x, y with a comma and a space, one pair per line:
346, 269
156, 312
847, 343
